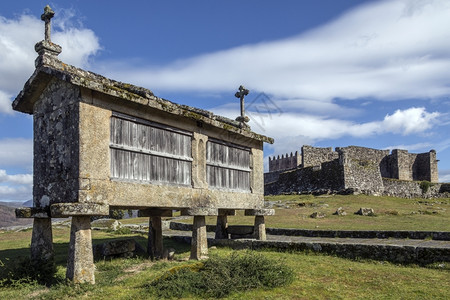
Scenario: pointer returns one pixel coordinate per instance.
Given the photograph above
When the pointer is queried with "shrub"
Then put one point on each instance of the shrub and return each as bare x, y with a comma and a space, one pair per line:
25, 271
220, 276
425, 186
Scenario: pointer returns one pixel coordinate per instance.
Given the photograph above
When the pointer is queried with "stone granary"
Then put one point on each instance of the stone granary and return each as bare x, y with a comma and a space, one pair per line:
101, 144
349, 169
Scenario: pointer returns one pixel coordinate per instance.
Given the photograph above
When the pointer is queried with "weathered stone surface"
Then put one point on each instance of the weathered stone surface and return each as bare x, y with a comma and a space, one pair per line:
155, 245
353, 169
199, 242
227, 212
200, 211
221, 227
317, 215
80, 263
260, 228
33, 212
340, 212
260, 212
42, 240
155, 212
108, 224
169, 254
240, 229
61, 210
365, 211
116, 248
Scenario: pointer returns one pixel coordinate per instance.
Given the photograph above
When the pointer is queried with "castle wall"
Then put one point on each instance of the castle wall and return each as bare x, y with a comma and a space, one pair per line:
365, 170
284, 162
362, 168
329, 176
425, 167
314, 156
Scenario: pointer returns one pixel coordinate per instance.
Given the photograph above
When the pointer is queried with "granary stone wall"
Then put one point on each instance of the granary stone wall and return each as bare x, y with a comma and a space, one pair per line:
56, 145
359, 169
284, 162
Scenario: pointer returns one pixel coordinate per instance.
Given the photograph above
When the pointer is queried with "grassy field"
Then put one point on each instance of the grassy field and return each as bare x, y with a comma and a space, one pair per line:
390, 213
316, 276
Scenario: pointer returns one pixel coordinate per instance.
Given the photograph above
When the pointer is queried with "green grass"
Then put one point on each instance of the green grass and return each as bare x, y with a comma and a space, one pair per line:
316, 276
390, 213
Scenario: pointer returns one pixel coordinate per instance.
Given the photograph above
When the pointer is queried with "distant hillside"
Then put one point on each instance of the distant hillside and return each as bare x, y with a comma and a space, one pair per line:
8, 217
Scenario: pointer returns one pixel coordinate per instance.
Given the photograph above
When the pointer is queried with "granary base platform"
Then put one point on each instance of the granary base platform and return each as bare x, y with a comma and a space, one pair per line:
80, 263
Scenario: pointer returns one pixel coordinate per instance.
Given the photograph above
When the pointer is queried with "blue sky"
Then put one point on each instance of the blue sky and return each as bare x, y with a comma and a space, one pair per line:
325, 73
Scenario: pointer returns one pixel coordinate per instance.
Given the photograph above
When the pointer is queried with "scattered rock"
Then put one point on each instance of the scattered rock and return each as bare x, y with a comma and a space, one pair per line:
340, 212
317, 215
365, 211
109, 224
116, 248
169, 254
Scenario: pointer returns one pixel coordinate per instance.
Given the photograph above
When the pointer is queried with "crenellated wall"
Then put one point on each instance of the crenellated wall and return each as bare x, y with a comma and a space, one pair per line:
350, 168
284, 162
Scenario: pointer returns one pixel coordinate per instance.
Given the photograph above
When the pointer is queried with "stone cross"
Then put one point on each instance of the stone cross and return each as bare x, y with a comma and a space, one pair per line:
241, 94
46, 16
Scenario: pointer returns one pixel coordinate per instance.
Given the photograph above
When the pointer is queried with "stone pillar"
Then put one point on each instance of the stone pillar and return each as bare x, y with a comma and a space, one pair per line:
221, 227
155, 238
199, 244
80, 263
42, 240
260, 228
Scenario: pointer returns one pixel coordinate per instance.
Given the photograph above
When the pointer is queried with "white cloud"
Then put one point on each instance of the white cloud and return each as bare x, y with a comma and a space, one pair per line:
412, 120
15, 187
292, 130
16, 179
17, 39
386, 50
412, 147
5, 103
16, 152
444, 175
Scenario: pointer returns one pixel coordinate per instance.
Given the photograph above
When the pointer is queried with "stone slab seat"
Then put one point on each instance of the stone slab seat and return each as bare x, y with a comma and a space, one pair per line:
64, 210
33, 212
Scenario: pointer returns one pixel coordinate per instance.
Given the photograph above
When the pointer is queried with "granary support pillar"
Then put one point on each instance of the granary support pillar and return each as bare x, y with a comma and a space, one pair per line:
199, 242
259, 230
80, 263
155, 246
222, 223
41, 238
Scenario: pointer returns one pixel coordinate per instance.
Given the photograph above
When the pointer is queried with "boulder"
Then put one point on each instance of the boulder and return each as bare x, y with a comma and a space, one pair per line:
365, 211
340, 212
317, 215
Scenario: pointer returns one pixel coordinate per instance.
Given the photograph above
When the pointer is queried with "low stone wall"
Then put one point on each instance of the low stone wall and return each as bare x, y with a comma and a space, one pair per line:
356, 234
412, 189
392, 253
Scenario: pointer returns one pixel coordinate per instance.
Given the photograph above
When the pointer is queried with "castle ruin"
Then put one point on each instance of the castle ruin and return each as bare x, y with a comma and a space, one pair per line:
350, 168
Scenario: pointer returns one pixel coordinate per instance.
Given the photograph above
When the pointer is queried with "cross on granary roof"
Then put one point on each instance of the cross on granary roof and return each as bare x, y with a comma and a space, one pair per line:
241, 95
47, 16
